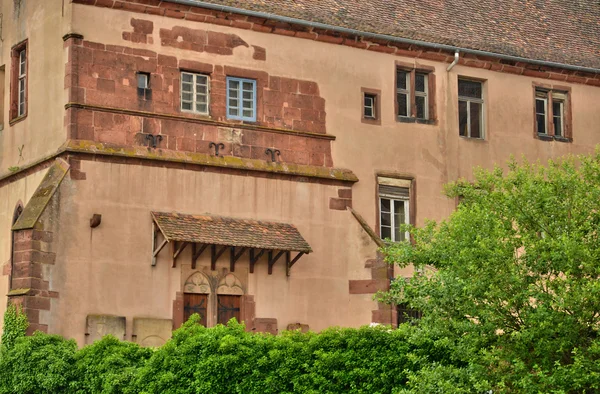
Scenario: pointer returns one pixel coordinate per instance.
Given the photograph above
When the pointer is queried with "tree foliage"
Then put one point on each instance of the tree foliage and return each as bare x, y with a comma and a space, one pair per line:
509, 284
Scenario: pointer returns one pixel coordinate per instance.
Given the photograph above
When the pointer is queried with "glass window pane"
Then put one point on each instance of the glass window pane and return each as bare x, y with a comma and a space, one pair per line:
385, 205
399, 235
142, 80
233, 102
187, 106
247, 95
185, 96
233, 93
248, 113
462, 119
475, 120
201, 89
234, 84
557, 108
187, 77
469, 88
541, 123
201, 108
369, 112
248, 86
557, 126
233, 111
420, 102
201, 98
386, 219
186, 87
248, 104
403, 104
540, 106
401, 79
386, 232
420, 82
368, 101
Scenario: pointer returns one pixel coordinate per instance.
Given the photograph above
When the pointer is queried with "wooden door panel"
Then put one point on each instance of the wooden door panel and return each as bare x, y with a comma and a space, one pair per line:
228, 308
195, 303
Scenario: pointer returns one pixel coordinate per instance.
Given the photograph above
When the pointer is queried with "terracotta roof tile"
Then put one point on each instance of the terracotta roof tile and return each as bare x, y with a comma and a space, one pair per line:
220, 230
562, 31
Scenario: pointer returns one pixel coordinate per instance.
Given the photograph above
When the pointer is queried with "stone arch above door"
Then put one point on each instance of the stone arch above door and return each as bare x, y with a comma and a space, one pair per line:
197, 283
230, 285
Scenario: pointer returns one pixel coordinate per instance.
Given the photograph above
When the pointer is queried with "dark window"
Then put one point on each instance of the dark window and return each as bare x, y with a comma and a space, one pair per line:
18, 94
403, 92
470, 109
541, 112
558, 116
407, 314
421, 99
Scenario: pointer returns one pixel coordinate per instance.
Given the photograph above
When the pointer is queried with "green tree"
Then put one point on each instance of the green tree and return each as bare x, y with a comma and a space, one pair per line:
15, 326
509, 284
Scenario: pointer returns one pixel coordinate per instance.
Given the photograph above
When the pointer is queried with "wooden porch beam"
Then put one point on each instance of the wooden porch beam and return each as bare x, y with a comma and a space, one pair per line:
197, 253
254, 258
273, 260
214, 255
290, 262
233, 257
177, 251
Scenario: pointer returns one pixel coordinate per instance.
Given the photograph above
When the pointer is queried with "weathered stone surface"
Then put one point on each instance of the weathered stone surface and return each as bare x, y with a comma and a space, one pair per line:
150, 332
97, 326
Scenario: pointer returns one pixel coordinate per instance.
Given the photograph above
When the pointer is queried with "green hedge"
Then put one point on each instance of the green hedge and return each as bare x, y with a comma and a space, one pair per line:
223, 359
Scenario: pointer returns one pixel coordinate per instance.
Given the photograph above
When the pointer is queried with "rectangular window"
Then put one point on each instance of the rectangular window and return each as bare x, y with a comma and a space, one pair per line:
143, 80
558, 113
18, 81
403, 92
22, 81
369, 110
470, 109
241, 99
550, 113
541, 112
421, 101
394, 208
2, 82
194, 93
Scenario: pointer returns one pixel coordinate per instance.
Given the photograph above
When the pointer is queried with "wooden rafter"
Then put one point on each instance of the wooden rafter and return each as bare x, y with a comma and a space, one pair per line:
254, 258
214, 255
289, 262
156, 250
196, 253
177, 249
233, 257
273, 259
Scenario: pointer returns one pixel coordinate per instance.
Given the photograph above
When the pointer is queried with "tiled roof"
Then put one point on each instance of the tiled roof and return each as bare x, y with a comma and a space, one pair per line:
226, 231
562, 31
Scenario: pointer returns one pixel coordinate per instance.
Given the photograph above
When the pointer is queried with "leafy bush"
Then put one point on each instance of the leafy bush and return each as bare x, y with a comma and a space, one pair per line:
223, 359
15, 326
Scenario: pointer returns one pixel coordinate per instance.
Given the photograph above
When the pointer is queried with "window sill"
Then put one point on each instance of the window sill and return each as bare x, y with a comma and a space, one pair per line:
546, 137
406, 119
17, 120
464, 137
371, 121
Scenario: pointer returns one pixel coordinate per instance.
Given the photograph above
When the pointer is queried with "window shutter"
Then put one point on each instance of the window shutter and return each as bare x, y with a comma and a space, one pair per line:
394, 192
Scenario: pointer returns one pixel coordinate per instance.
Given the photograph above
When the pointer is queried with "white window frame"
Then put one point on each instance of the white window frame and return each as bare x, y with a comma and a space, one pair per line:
393, 202
372, 107
545, 101
405, 92
470, 100
423, 94
559, 98
22, 83
240, 100
194, 101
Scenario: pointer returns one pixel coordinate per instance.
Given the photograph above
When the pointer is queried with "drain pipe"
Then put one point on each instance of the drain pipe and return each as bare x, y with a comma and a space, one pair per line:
456, 56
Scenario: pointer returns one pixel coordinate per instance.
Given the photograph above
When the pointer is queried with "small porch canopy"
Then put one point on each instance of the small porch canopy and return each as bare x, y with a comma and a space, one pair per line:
219, 234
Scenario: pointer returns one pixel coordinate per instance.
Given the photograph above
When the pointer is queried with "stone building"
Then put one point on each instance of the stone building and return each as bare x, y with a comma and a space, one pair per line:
244, 159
